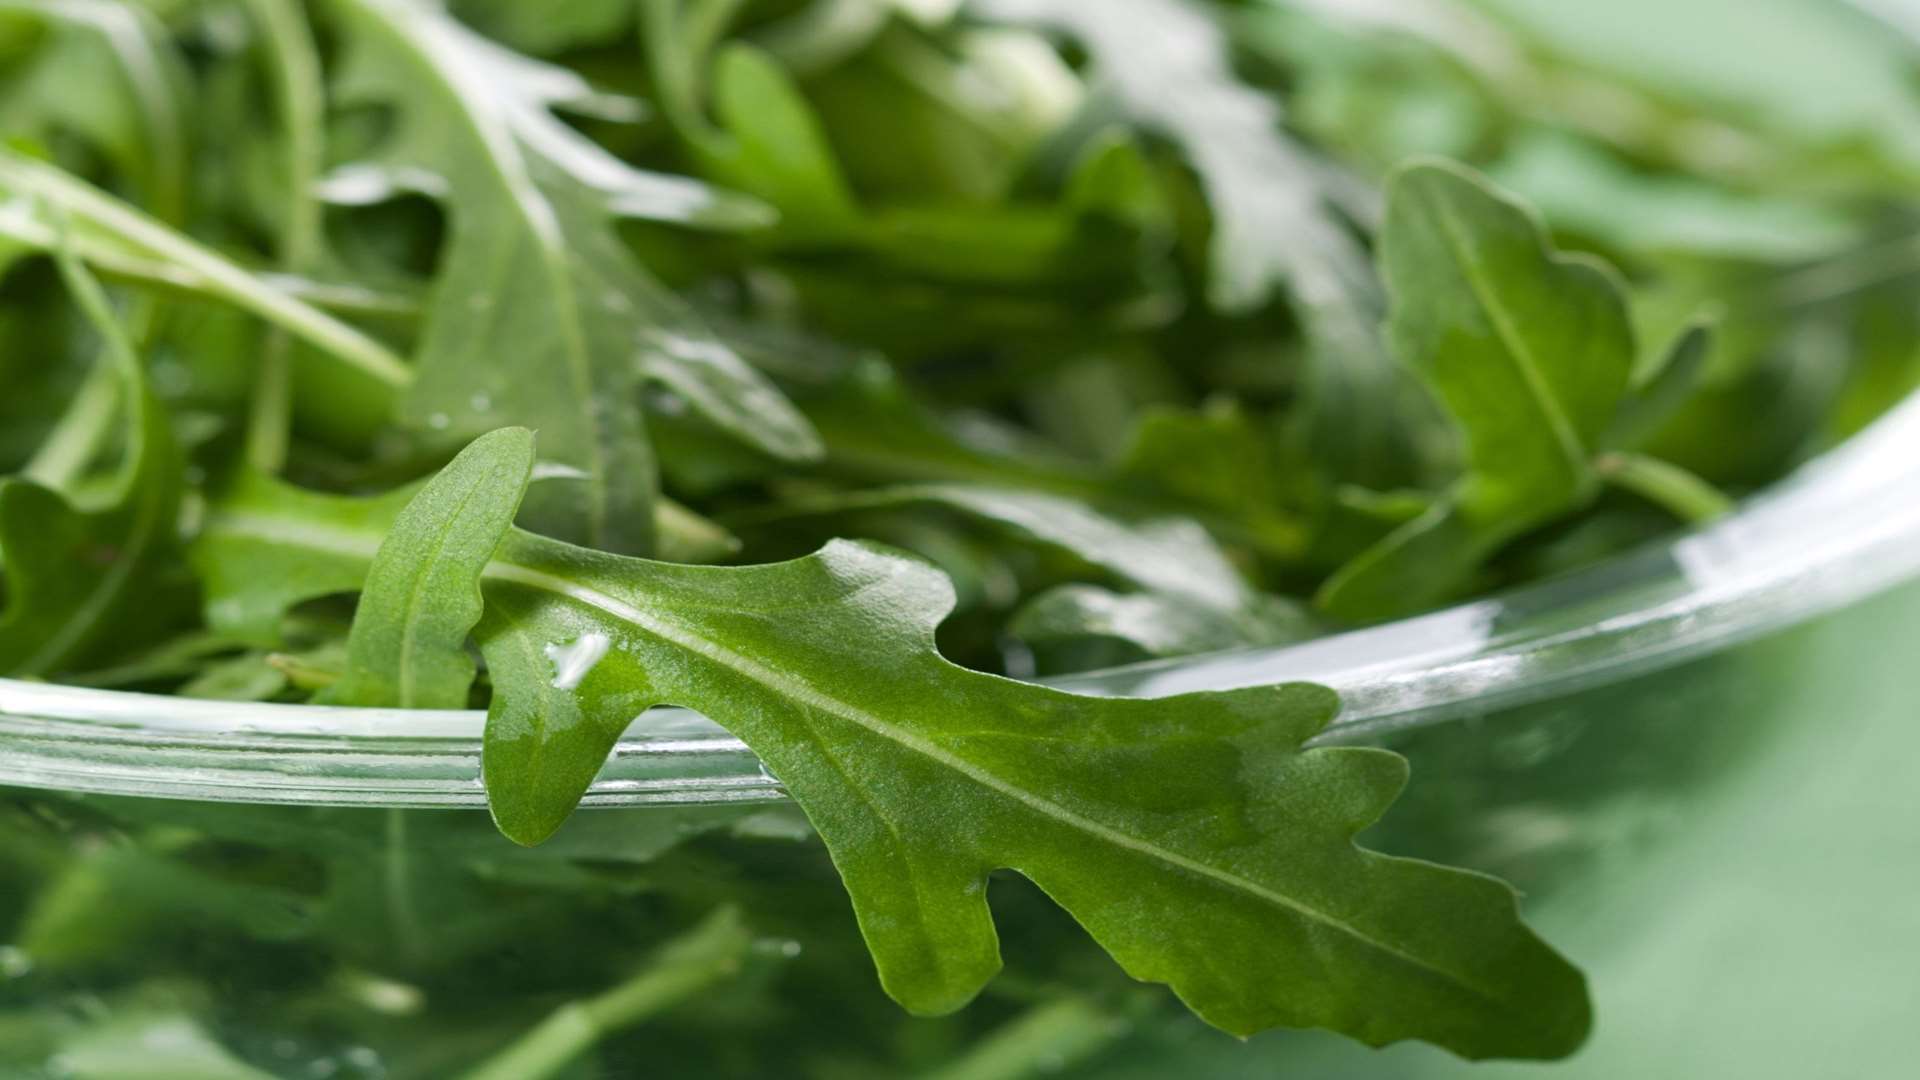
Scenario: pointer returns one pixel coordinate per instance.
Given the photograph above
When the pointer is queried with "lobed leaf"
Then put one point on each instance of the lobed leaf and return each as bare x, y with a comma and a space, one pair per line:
422, 592
541, 316
270, 546
1529, 350
1194, 837
1155, 624
138, 116
1173, 556
1274, 225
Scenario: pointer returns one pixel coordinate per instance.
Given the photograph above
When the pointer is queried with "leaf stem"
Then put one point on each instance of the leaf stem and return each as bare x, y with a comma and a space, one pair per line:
26, 175
1044, 1039
296, 69
397, 872
1669, 486
79, 433
709, 953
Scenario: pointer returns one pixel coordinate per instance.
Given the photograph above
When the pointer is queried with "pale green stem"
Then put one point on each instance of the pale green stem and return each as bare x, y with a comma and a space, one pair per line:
80, 433
705, 955
25, 175
126, 266
270, 410
1680, 492
1854, 272
84, 430
296, 68
402, 916
1045, 1039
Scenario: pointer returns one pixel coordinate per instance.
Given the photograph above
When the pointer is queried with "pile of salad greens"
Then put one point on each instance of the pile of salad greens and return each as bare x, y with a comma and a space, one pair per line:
838, 368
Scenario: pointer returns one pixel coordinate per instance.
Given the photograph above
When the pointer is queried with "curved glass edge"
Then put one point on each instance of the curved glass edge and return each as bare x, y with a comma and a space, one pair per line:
1842, 528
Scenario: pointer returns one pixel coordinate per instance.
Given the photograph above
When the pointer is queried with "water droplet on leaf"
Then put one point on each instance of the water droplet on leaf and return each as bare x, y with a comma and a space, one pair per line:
572, 661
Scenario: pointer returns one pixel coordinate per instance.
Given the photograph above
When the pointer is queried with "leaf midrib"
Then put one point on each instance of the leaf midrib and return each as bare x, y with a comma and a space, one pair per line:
1572, 452
408, 673
500, 570
803, 692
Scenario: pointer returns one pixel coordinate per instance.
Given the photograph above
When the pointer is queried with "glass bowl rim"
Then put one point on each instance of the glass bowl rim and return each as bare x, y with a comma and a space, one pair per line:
1841, 528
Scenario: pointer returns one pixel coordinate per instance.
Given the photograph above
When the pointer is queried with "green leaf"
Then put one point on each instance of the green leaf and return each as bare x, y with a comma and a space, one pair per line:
1155, 624
422, 594
1529, 350
75, 573
1213, 467
1274, 224
543, 29
1192, 599
1194, 837
255, 564
1676, 376
253, 575
1579, 186
767, 140
1188, 827
247, 677
1169, 555
541, 316
780, 152
138, 116
1218, 464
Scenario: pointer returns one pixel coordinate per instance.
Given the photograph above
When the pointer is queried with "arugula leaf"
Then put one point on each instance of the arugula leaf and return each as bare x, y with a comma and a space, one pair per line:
422, 594
1177, 830
1273, 221
921, 777
1213, 467
768, 140
1192, 597
1169, 555
1217, 464
1581, 187
1665, 386
255, 565
141, 123
1532, 353
1120, 261
74, 572
1155, 624
546, 29
252, 578
541, 315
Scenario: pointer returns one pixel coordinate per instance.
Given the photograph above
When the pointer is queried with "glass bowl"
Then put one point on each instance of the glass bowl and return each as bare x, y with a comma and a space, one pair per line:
1689, 758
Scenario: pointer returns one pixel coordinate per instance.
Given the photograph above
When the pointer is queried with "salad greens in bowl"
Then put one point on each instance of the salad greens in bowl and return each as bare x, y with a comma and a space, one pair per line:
945, 486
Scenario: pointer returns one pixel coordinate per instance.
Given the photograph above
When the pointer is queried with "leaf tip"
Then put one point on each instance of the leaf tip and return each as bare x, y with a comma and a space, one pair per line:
525, 826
